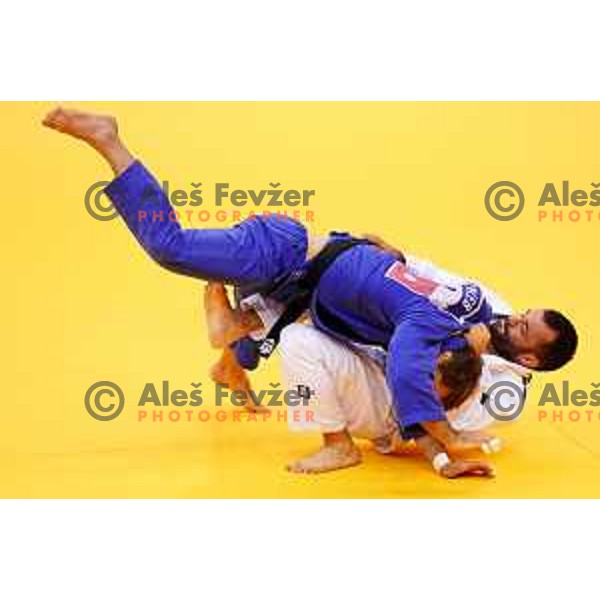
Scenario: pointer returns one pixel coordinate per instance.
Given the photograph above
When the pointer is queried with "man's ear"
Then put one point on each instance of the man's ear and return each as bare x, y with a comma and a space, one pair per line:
529, 360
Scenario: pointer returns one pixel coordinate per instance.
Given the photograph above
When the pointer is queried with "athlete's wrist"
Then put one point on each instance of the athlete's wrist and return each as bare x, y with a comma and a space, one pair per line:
440, 461
441, 431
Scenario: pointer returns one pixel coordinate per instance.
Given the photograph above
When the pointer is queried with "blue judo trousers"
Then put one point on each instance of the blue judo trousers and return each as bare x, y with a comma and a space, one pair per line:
253, 253
366, 295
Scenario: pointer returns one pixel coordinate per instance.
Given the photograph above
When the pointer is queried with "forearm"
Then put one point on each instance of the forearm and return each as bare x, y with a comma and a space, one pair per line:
381, 243
429, 446
449, 467
460, 441
441, 433
433, 451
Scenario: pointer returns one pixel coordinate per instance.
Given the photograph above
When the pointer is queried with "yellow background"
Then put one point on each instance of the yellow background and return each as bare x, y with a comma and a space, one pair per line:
81, 302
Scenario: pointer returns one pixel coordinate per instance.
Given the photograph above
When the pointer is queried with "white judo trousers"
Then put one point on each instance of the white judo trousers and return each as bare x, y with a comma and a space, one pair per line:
348, 388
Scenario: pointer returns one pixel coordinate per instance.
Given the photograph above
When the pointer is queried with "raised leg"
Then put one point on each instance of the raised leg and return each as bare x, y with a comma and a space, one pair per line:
255, 252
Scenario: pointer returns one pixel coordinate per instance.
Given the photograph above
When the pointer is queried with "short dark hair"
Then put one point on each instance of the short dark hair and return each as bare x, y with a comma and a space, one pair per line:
460, 374
558, 353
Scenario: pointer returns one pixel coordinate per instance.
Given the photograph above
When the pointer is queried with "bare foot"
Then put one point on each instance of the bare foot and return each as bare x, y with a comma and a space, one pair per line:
394, 445
227, 371
328, 458
225, 325
217, 311
97, 130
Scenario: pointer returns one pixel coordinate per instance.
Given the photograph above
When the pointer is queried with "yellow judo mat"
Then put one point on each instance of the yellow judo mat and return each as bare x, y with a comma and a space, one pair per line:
82, 303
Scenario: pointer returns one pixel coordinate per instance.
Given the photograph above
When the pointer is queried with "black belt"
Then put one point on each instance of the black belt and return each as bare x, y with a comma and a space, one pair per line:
297, 290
